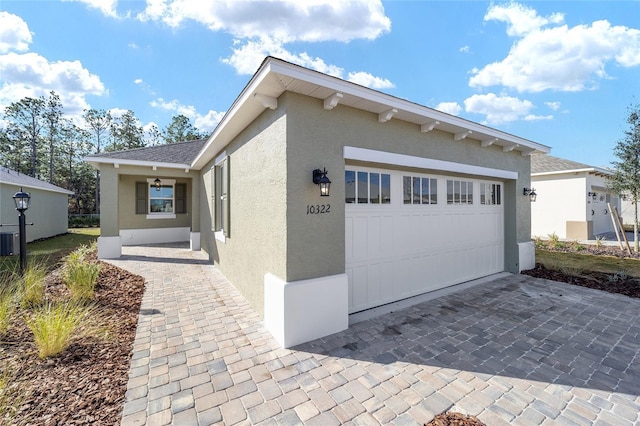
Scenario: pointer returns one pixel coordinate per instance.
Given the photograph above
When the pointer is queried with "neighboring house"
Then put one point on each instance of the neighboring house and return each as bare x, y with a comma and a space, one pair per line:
419, 200
48, 210
628, 213
571, 199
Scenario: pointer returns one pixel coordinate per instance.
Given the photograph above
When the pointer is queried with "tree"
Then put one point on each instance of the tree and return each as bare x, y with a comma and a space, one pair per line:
99, 121
180, 129
52, 114
153, 136
126, 133
25, 124
626, 171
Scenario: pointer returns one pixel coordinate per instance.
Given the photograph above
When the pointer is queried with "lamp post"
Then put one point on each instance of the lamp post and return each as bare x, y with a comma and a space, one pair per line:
22, 200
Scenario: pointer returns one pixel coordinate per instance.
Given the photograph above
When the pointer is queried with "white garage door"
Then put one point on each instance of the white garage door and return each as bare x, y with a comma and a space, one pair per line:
409, 233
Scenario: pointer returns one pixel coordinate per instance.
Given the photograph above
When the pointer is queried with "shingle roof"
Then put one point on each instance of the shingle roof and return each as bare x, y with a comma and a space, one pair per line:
544, 163
12, 177
176, 153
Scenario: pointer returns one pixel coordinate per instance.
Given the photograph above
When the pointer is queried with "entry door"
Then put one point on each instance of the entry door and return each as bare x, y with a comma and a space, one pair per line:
409, 233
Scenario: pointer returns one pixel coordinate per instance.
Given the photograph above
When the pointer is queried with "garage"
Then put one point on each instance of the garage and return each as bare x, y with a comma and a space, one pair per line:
408, 233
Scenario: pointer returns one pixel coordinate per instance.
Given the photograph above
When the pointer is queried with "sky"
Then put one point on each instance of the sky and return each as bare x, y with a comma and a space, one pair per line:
559, 73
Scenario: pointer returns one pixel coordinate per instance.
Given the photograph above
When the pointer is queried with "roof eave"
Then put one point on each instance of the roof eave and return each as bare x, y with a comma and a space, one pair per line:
247, 107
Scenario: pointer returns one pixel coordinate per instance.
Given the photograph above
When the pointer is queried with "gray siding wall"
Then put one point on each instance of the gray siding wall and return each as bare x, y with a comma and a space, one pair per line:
48, 212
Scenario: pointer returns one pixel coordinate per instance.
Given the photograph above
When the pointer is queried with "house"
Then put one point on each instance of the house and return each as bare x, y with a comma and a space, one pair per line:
419, 200
572, 199
48, 210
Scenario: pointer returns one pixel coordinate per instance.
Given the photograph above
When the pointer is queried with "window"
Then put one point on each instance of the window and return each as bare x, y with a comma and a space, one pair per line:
419, 190
459, 192
165, 203
490, 194
220, 197
367, 187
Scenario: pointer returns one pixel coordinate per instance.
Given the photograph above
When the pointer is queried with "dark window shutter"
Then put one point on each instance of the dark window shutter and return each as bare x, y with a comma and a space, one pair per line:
142, 188
226, 202
181, 198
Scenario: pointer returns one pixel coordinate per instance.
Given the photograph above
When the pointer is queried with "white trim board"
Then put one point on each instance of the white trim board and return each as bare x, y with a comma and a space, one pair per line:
382, 157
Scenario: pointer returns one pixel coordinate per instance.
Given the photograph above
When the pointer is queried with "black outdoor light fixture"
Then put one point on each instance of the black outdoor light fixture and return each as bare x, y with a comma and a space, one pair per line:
157, 183
531, 192
22, 200
320, 178
593, 195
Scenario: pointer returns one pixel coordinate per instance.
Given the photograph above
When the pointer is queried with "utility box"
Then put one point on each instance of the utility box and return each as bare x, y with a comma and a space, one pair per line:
7, 244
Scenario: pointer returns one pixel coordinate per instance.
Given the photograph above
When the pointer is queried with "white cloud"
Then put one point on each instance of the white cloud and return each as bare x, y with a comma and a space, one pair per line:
557, 58
263, 28
553, 105
14, 33
107, 7
248, 56
286, 20
206, 122
452, 108
33, 75
520, 19
465, 49
133, 46
501, 109
368, 80
138, 81
117, 112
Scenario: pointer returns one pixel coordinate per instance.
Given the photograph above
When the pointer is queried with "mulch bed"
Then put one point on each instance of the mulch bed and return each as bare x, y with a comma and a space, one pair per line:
87, 383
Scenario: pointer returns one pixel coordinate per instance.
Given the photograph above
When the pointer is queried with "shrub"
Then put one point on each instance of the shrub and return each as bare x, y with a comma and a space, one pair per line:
80, 275
555, 243
32, 292
54, 327
11, 396
8, 307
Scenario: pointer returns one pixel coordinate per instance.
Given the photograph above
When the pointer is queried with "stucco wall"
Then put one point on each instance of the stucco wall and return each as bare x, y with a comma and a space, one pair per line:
561, 199
117, 199
48, 212
316, 138
258, 196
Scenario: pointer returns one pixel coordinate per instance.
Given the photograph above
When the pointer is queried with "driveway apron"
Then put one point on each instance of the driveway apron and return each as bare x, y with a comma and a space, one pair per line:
516, 350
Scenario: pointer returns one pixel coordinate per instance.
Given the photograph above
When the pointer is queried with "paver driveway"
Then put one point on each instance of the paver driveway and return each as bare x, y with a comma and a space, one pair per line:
516, 350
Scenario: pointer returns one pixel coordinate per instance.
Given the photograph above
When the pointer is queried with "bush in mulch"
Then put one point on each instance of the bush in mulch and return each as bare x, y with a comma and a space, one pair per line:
454, 419
619, 283
86, 384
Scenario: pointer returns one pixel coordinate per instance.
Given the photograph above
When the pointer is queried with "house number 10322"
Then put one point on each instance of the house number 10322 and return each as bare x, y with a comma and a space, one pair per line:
318, 208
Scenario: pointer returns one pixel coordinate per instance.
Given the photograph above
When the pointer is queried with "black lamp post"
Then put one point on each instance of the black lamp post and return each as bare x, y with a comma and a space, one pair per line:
22, 200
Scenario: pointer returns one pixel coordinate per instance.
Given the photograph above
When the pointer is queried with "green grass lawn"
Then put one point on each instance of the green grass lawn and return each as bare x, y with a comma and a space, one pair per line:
51, 250
585, 262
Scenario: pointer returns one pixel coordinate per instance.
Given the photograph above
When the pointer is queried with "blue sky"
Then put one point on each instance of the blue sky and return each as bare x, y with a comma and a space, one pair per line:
559, 73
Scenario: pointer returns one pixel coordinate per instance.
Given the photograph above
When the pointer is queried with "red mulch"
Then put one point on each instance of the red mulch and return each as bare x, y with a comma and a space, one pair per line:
87, 383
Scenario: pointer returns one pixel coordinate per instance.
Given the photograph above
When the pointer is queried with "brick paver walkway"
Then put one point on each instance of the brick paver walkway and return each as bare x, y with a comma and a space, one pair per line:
517, 350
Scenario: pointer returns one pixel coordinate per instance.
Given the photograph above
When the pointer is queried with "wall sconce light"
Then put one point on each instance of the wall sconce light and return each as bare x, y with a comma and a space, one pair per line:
593, 195
531, 192
157, 183
320, 178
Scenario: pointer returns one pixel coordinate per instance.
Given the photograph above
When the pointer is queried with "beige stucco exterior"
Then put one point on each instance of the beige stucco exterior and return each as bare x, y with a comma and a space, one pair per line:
271, 163
255, 171
117, 194
257, 243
